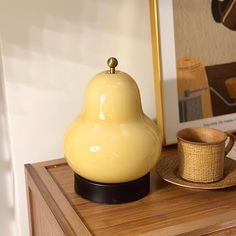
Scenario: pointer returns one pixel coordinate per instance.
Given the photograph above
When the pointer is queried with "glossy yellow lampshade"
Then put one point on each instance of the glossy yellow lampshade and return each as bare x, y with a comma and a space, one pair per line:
112, 140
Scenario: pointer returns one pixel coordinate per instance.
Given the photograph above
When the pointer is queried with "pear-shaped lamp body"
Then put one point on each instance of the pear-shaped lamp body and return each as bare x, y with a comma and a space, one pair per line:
112, 140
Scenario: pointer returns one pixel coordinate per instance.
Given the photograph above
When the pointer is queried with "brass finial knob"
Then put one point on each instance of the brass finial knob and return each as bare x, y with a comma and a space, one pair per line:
112, 63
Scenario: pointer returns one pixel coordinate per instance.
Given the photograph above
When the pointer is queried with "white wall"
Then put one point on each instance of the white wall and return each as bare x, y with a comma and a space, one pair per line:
7, 219
50, 50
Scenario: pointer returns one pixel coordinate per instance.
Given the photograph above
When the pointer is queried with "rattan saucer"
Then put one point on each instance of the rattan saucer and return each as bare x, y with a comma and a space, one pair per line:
168, 170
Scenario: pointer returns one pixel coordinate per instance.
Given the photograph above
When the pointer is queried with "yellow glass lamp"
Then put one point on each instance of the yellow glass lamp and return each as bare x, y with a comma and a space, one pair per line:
112, 145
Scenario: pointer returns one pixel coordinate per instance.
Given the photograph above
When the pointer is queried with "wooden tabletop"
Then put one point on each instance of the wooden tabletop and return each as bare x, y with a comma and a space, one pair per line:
167, 210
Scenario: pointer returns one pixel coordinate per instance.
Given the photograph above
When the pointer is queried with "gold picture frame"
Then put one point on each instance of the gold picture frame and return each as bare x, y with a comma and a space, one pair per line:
157, 66
206, 96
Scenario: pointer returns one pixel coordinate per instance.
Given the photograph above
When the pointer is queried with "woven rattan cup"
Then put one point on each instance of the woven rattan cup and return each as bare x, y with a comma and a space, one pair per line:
202, 152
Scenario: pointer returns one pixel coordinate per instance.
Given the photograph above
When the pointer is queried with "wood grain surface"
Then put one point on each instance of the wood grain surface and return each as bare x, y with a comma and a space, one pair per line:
167, 210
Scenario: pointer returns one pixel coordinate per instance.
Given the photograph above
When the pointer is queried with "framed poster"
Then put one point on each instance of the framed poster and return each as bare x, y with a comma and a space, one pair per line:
194, 55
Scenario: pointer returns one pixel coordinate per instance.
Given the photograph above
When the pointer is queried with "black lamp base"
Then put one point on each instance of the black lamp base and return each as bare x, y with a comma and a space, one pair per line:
112, 193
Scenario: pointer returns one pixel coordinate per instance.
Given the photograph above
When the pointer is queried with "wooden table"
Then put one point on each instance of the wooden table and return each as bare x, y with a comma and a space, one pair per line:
55, 209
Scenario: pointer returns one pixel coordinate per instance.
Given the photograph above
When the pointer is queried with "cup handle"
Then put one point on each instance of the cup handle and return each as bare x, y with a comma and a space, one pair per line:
230, 143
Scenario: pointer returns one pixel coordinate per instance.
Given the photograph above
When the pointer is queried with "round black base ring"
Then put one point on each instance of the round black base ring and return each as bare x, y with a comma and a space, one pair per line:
112, 193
